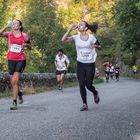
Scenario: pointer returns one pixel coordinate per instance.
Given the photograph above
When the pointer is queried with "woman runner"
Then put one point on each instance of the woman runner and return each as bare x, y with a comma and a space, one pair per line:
17, 42
86, 55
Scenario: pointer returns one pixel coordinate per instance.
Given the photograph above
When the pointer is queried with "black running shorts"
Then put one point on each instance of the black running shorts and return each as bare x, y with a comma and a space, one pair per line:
16, 66
60, 72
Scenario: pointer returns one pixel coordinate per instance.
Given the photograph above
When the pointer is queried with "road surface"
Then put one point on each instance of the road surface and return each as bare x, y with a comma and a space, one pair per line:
56, 116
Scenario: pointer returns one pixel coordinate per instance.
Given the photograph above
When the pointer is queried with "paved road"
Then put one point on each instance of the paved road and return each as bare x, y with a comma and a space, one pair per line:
56, 116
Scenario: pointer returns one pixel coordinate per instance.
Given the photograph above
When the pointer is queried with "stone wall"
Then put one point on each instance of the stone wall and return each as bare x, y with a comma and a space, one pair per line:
34, 79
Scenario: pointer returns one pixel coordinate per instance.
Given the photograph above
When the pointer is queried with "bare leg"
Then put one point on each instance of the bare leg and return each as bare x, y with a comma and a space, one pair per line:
61, 80
14, 79
15, 84
58, 80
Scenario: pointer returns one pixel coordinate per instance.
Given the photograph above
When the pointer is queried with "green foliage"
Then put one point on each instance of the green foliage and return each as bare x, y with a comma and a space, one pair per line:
127, 15
3, 54
3, 43
44, 29
3, 11
33, 60
47, 20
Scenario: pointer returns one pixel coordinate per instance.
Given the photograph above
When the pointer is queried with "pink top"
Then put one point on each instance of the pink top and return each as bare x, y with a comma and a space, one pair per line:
15, 50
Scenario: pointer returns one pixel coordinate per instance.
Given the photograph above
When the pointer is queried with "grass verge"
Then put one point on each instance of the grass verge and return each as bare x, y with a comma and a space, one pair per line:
35, 90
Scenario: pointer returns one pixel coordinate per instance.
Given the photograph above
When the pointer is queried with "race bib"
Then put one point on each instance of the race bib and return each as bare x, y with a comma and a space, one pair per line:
60, 67
84, 55
15, 48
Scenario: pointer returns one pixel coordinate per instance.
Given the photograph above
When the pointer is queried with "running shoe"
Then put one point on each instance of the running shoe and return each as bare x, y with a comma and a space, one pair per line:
96, 98
84, 107
20, 97
60, 88
14, 106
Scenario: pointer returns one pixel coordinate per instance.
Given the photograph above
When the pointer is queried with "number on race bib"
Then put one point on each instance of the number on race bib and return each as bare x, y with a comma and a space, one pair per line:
15, 48
85, 56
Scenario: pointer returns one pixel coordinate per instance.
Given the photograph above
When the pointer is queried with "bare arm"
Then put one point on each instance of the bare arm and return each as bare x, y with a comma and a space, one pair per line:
66, 37
97, 45
56, 63
68, 62
27, 45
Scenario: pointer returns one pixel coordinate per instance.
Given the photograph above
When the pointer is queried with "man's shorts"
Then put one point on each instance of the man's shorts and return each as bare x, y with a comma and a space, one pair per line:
60, 72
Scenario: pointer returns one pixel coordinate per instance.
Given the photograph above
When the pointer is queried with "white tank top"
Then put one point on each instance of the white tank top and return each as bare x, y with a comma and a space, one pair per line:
85, 53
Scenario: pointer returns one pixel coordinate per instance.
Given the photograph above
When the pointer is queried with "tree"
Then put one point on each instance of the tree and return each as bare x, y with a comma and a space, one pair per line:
3, 43
127, 15
45, 30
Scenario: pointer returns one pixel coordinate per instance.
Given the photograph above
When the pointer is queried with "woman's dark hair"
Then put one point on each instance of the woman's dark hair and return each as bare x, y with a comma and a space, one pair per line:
20, 23
60, 50
92, 27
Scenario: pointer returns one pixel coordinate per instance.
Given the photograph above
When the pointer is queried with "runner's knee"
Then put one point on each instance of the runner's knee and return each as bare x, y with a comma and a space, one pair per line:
14, 81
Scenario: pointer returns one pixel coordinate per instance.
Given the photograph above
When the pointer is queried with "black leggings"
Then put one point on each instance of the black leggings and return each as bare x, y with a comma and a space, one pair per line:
85, 74
117, 75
